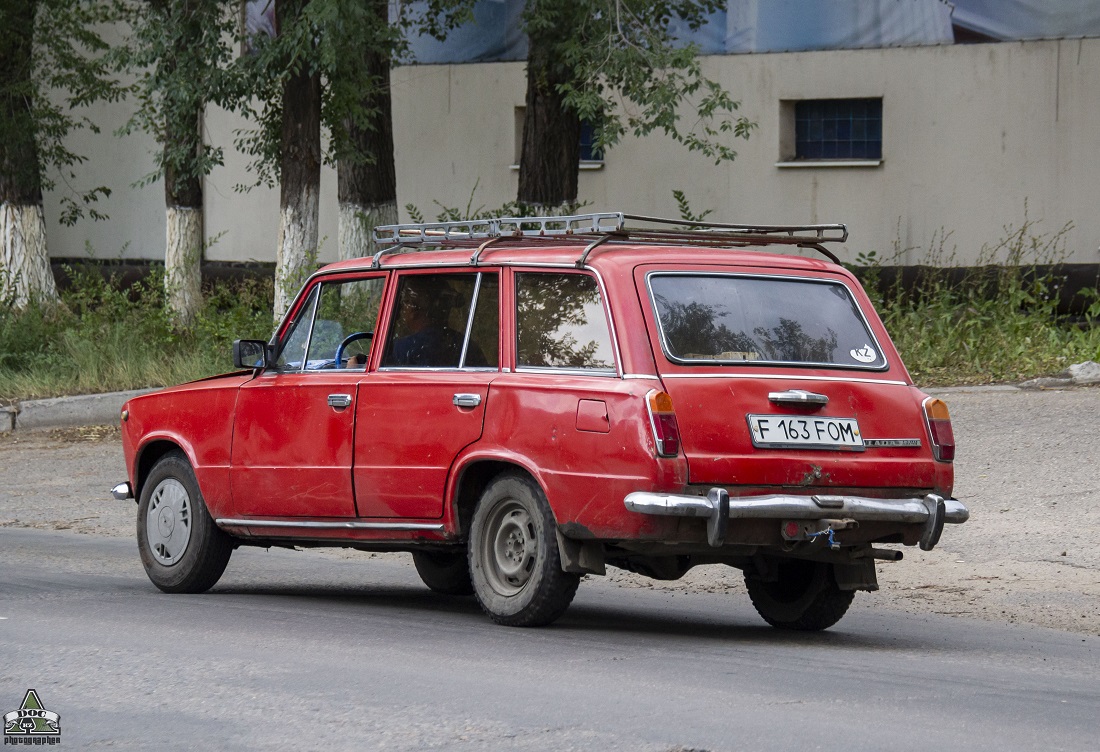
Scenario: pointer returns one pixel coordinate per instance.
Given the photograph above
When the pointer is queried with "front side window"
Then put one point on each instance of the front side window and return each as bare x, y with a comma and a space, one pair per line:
711, 318
433, 326
560, 323
335, 328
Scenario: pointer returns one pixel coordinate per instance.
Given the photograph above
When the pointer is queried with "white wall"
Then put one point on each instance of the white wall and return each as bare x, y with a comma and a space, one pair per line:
970, 133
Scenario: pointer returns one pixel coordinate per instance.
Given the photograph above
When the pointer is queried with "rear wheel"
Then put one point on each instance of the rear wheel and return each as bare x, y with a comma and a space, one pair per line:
444, 573
181, 548
805, 596
514, 561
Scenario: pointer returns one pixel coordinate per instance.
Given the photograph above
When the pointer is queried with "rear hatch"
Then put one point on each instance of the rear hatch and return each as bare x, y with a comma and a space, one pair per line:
784, 380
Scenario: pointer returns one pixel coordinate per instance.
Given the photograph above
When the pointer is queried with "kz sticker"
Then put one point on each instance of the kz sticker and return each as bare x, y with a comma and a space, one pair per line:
32, 723
865, 354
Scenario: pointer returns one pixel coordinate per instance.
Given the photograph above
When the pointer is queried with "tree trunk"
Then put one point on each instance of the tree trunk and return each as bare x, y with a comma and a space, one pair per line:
300, 176
550, 155
184, 236
25, 274
367, 179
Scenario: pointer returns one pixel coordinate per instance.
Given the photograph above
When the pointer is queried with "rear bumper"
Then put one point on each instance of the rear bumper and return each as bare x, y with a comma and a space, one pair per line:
718, 508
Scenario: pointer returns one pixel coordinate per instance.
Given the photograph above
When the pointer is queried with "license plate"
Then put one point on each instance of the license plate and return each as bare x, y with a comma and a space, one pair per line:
790, 431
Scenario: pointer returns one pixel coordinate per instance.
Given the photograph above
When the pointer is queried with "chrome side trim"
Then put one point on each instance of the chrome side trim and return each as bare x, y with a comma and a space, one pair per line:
777, 376
310, 525
931, 510
641, 376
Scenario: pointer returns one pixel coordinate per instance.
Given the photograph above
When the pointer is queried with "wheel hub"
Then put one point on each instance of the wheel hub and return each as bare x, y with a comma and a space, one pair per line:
510, 559
168, 521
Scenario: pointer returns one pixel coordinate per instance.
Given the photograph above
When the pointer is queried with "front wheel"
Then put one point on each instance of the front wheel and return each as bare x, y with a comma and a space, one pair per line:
514, 562
804, 597
181, 548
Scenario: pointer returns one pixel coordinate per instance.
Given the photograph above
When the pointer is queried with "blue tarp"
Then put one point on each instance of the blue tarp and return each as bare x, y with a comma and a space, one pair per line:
788, 25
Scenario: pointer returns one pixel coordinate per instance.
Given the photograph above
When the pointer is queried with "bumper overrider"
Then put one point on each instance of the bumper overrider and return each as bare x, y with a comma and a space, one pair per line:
830, 512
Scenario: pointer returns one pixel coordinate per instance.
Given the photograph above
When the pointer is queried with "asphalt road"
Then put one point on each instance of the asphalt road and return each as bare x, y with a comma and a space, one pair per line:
297, 650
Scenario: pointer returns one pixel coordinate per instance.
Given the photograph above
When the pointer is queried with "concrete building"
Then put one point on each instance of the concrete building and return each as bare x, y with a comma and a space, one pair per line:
973, 138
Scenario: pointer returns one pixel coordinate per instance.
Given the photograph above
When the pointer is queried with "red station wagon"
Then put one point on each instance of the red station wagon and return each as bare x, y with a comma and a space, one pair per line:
519, 402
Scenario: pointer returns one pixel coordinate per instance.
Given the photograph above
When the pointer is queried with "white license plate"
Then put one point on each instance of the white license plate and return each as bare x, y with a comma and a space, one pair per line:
794, 431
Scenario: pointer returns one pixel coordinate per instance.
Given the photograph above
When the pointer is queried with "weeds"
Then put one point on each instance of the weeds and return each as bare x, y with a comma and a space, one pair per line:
106, 337
999, 322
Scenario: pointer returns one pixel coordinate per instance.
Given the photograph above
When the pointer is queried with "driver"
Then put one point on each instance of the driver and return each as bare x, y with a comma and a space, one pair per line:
429, 341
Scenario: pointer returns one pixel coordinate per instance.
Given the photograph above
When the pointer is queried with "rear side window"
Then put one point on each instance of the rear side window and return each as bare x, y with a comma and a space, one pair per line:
560, 323
711, 318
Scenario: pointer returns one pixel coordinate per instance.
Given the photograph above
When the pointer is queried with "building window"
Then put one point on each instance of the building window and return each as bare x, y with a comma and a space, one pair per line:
589, 151
591, 157
836, 129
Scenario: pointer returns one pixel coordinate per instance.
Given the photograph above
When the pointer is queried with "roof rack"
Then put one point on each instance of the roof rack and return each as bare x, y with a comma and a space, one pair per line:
597, 229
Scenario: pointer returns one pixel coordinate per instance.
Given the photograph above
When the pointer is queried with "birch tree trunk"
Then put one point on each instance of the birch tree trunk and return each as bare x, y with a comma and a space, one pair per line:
184, 236
182, 150
367, 179
300, 177
25, 274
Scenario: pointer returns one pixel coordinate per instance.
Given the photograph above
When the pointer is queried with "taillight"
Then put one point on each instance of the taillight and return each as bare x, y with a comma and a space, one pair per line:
938, 420
662, 419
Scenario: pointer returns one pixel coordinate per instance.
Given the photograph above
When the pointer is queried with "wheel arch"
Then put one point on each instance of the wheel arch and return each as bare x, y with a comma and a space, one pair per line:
148, 456
471, 481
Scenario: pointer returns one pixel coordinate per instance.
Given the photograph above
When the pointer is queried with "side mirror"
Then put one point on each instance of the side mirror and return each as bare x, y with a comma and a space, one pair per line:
250, 353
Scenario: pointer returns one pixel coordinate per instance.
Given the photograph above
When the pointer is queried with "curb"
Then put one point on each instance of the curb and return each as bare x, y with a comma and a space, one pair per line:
60, 412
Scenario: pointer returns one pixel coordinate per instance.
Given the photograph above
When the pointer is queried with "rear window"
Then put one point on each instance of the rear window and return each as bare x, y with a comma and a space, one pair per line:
725, 318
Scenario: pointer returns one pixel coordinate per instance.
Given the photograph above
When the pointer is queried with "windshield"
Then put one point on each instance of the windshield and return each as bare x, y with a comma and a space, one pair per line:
725, 318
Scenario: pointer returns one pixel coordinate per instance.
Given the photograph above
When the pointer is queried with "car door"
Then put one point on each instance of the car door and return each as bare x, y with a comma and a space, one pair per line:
426, 401
294, 426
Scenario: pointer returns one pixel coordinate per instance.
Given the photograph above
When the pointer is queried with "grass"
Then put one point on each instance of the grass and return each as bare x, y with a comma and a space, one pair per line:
1000, 323
106, 338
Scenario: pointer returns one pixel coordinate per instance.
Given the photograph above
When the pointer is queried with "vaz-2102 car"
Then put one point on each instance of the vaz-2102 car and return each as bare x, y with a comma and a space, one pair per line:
519, 402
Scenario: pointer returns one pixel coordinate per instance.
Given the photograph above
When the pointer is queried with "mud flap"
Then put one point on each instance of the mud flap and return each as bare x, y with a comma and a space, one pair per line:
580, 557
858, 575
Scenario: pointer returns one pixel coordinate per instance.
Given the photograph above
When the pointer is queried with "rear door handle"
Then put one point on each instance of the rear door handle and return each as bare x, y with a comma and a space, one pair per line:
797, 397
467, 400
339, 400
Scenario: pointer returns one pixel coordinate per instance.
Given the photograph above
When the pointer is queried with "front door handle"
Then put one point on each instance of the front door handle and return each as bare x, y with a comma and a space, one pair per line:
339, 401
467, 400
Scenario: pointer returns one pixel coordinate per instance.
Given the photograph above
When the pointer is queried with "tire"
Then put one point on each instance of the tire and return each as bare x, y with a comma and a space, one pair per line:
448, 574
514, 562
804, 598
181, 548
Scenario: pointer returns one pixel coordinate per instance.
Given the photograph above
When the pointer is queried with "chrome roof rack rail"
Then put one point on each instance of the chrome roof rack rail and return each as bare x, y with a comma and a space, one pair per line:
599, 229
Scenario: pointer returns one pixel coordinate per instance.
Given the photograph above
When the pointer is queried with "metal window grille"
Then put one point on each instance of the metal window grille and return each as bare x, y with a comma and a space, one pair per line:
838, 129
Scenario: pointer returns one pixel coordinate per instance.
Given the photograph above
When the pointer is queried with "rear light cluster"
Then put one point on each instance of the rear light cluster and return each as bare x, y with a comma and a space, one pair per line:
938, 420
662, 419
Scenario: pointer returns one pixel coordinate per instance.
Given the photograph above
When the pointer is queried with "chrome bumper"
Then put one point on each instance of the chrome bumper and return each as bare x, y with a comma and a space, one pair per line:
718, 508
122, 491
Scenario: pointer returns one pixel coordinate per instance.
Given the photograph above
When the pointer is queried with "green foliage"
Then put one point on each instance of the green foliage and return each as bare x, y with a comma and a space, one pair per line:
684, 207
331, 38
182, 53
53, 65
507, 209
626, 72
998, 323
110, 337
